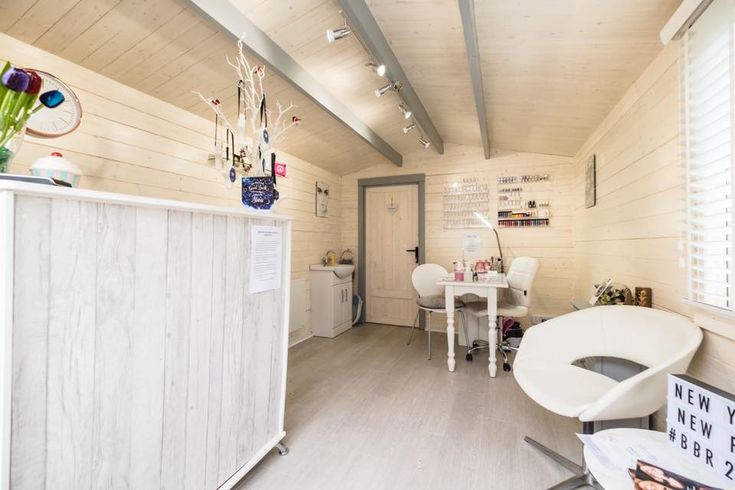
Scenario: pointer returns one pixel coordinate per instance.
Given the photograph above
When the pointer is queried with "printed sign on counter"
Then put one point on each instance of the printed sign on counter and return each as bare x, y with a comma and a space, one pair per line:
700, 421
266, 257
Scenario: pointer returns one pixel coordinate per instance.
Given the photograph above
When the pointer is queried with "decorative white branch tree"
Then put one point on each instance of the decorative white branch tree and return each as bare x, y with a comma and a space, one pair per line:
248, 129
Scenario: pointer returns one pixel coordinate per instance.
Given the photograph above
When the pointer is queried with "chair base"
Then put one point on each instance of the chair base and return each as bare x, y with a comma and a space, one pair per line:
502, 347
582, 477
584, 480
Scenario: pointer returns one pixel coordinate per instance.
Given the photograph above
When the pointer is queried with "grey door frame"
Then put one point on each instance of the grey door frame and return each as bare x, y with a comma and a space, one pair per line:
362, 185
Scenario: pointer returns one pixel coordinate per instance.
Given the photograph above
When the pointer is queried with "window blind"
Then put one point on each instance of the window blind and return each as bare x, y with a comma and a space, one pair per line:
707, 89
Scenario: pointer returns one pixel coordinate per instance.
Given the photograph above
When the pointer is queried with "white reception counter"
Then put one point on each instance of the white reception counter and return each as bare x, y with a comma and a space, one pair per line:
132, 354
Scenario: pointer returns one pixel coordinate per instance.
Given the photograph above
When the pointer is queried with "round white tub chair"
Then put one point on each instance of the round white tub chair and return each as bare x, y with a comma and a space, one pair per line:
662, 342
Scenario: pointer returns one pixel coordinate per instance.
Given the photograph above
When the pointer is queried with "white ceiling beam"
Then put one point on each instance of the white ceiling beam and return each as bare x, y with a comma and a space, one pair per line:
683, 18
469, 26
226, 15
365, 27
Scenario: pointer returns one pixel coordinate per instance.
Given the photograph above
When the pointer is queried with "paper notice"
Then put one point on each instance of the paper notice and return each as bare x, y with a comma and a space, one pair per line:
266, 258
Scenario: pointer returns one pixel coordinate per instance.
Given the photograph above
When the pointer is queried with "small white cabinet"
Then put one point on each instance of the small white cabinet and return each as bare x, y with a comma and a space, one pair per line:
331, 299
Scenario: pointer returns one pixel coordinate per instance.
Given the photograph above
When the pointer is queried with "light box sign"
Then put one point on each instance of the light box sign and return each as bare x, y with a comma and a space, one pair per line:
700, 421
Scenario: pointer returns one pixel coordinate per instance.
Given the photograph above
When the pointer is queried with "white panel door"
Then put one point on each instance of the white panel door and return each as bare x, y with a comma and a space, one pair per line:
391, 234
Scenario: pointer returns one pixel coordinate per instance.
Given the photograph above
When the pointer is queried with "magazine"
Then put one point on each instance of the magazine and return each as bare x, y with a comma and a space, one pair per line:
647, 476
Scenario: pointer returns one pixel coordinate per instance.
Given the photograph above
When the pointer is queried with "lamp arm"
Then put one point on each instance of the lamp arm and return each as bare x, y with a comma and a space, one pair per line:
497, 239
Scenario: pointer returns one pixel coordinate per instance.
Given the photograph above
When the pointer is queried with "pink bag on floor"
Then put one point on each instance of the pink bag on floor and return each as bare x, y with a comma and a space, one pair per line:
507, 325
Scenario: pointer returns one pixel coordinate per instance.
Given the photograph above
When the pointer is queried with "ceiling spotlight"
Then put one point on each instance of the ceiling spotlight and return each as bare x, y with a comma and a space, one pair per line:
380, 91
408, 128
423, 142
337, 34
379, 69
405, 110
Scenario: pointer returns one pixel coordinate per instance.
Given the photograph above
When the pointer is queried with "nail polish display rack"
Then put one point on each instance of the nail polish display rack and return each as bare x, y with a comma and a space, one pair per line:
524, 201
460, 201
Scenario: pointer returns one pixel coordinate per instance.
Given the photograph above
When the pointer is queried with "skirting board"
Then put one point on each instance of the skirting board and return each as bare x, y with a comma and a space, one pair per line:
300, 340
240, 474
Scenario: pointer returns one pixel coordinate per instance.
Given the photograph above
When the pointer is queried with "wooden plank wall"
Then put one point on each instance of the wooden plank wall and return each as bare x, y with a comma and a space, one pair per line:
635, 233
553, 245
121, 378
133, 143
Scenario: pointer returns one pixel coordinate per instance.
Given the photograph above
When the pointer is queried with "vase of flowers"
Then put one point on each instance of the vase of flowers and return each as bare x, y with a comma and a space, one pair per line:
10, 148
20, 98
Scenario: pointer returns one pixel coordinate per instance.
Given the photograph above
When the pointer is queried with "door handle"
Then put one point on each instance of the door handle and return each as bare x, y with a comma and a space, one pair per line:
415, 251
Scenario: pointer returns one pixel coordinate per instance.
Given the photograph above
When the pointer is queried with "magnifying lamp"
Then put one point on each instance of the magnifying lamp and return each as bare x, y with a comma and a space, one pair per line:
487, 224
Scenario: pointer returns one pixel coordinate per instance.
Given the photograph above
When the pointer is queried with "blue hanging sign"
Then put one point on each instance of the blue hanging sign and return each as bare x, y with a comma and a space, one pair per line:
258, 192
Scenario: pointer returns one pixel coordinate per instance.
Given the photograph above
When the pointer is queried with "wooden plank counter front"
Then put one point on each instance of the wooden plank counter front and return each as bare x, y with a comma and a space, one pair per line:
133, 355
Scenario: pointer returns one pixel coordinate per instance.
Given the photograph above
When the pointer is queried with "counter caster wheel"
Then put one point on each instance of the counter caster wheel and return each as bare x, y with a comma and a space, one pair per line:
468, 357
282, 449
506, 367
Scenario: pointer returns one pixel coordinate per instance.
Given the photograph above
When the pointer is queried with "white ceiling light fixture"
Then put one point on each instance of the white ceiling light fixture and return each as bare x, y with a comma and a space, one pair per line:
423, 142
340, 32
382, 90
405, 111
409, 128
379, 69
337, 34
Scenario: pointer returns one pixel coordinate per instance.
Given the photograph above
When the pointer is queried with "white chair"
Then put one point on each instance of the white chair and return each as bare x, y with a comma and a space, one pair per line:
515, 305
431, 296
662, 342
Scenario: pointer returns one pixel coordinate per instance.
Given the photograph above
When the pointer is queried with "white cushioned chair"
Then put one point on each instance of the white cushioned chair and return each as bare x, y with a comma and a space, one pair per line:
662, 342
515, 304
431, 296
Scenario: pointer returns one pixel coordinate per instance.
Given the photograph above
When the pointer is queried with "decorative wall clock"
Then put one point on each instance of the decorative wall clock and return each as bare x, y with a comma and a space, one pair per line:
64, 119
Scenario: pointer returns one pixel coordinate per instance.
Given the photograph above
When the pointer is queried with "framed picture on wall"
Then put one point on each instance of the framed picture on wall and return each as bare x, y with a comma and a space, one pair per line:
322, 199
590, 182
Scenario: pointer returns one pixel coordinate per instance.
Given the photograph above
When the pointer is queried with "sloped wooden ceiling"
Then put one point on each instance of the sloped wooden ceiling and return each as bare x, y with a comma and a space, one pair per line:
427, 38
551, 70
299, 27
166, 49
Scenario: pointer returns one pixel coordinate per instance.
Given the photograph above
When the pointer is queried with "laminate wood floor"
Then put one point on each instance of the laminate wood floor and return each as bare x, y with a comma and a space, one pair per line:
366, 411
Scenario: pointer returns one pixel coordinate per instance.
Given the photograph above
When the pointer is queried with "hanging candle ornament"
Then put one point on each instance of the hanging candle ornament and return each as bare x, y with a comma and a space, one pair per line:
231, 138
273, 175
264, 120
244, 160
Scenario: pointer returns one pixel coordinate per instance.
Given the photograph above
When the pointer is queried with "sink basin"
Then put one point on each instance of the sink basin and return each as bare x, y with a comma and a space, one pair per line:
340, 270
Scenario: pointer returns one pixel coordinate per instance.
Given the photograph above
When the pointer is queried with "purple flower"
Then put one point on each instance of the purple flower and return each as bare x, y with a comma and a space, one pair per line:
16, 79
52, 99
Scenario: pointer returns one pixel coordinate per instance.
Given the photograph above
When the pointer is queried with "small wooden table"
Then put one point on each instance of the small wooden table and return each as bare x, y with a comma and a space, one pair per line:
484, 289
